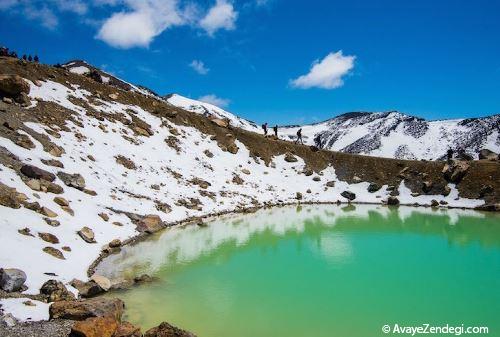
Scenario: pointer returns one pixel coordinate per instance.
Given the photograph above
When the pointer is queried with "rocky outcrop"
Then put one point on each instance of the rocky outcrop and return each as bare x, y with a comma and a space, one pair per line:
83, 309
455, 171
12, 279
374, 187
150, 224
56, 291
167, 330
392, 200
87, 289
126, 329
101, 281
15, 87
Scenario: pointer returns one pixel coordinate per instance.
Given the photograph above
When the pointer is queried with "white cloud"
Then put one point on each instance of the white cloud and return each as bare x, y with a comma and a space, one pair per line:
139, 26
45, 15
212, 99
221, 16
199, 67
327, 73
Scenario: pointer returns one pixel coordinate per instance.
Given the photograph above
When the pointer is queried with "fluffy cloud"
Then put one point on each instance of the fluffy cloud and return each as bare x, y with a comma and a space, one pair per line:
327, 73
139, 26
199, 67
221, 16
212, 99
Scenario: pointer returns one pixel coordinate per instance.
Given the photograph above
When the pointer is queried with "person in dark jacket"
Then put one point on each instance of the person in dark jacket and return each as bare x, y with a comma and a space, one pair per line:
449, 155
264, 127
30, 58
299, 137
275, 129
36, 59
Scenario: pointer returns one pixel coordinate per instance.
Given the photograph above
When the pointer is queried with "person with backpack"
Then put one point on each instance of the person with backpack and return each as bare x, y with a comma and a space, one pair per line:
275, 129
264, 127
299, 137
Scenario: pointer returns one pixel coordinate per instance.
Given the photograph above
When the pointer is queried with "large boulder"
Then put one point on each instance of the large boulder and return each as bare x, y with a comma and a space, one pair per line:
167, 330
37, 173
12, 279
455, 171
72, 180
348, 195
223, 123
150, 224
290, 158
374, 187
487, 154
391, 200
127, 330
56, 291
13, 86
83, 309
87, 289
95, 327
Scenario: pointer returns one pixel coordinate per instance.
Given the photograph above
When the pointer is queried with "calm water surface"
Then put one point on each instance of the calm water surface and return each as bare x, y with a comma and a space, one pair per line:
318, 271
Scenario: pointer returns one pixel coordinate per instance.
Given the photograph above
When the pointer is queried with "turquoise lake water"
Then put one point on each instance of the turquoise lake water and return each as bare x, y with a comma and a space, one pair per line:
318, 271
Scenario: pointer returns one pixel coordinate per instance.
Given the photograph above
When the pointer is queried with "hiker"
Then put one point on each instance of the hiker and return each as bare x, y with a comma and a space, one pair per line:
30, 58
449, 155
4, 51
299, 137
36, 59
275, 129
25, 58
264, 127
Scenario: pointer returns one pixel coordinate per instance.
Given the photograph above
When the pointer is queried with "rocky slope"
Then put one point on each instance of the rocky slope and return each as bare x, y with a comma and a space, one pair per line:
88, 163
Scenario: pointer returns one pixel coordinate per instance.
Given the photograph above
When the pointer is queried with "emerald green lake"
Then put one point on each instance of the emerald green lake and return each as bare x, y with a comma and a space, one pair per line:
318, 271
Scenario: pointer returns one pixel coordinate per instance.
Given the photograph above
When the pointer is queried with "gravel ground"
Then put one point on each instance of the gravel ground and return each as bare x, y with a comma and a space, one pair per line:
55, 328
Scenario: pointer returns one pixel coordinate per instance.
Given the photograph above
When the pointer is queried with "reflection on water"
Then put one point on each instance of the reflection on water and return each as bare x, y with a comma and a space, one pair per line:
317, 271
326, 223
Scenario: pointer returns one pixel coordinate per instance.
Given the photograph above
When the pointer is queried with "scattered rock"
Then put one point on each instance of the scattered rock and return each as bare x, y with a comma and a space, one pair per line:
427, 186
34, 184
488, 155
232, 148
348, 195
245, 171
54, 252
126, 162
61, 201
298, 196
223, 123
330, 183
48, 212
102, 281
392, 200
290, 158
52, 222
56, 291
83, 309
87, 289
116, 243
12, 279
37, 173
167, 330
87, 234
489, 207
95, 327
434, 203
374, 187
317, 178
446, 191
48, 237
144, 278
25, 231
356, 179
308, 172
104, 216
208, 154
53, 162
72, 180
237, 179
150, 224
68, 210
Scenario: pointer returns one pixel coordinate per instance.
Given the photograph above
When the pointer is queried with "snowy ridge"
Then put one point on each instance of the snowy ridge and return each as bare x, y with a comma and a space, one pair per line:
207, 109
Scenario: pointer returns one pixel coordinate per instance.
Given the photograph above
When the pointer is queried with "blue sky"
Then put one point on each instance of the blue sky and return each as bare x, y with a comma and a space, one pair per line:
434, 59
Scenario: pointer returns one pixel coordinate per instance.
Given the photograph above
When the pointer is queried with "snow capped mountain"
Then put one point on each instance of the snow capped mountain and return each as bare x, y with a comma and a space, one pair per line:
396, 135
